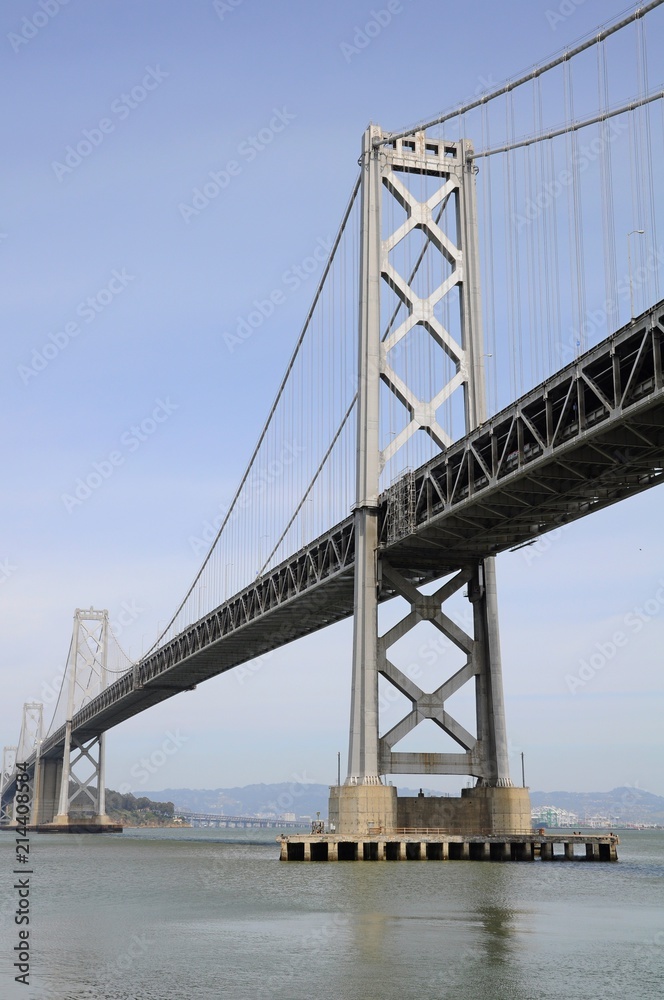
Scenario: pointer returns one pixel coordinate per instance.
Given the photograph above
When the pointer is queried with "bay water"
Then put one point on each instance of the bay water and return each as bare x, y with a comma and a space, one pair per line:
165, 914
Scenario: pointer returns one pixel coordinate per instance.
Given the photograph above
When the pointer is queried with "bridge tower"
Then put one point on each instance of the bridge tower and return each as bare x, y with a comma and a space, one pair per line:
6, 799
29, 743
71, 778
364, 803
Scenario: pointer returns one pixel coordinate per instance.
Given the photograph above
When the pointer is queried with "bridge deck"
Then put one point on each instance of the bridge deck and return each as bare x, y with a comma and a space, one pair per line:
587, 437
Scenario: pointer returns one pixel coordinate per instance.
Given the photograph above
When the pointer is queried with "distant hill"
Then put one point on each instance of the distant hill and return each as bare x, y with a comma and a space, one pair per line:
628, 805
250, 800
130, 811
253, 800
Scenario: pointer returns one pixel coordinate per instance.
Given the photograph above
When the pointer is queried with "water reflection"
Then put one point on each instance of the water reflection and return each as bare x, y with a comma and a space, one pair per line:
231, 920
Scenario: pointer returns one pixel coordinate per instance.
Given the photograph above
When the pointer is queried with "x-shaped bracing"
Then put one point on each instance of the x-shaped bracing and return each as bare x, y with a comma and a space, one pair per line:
425, 705
83, 752
6, 811
421, 312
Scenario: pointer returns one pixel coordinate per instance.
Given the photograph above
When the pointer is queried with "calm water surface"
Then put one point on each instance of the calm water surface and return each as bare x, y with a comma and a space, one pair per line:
166, 914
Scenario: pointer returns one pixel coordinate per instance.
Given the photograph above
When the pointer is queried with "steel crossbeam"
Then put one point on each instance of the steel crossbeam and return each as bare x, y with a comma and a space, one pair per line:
478, 498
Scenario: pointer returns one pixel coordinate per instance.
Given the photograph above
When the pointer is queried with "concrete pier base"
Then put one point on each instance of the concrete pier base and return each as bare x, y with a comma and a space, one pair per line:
79, 828
417, 846
73, 827
372, 809
479, 810
362, 809
82, 824
370, 823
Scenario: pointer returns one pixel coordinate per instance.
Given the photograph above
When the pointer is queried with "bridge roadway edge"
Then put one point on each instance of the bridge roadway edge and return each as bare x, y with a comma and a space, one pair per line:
510, 509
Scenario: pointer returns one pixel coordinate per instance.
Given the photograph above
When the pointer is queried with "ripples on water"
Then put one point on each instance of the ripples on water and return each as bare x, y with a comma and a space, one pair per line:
171, 914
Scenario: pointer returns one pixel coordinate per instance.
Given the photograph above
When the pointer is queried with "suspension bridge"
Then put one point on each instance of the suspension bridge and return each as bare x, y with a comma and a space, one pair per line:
481, 363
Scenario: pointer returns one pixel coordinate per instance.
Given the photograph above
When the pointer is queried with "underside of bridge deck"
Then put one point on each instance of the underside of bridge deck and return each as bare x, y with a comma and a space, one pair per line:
591, 435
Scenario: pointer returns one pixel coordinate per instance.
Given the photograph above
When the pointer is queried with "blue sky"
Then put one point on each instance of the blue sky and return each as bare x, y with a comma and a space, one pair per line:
165, 289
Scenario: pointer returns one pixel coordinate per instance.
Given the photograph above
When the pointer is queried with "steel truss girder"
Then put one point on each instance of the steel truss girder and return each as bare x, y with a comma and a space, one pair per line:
524, 496
307, 577
543, 450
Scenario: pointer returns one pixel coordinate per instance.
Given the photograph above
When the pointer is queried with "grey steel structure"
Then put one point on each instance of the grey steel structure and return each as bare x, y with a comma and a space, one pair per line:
29, 743
218, 820
66, 776
387, 169
586, 438
81, 776
7, 801
32, 730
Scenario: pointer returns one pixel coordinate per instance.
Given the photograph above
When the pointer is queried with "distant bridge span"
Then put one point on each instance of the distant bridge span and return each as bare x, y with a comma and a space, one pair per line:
242, 822
587, 437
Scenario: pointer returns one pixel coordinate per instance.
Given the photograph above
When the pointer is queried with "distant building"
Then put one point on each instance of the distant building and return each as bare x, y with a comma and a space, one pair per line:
552, 816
